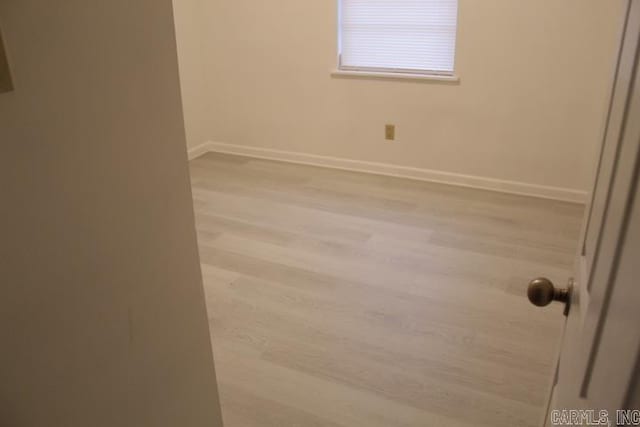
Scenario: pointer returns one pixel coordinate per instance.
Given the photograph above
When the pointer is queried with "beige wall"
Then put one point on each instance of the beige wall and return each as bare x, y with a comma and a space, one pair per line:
102, 313
190, 25
529, 108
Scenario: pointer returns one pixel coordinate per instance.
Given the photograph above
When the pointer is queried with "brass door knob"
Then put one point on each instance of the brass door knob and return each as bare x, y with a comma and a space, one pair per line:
541, 293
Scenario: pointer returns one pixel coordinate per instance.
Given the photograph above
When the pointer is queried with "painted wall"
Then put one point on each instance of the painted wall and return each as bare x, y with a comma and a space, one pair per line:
529, 107
102, 314
190, 26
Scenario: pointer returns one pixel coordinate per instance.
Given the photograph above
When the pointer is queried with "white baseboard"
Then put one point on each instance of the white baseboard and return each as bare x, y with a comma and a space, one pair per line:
512, 187
199, 150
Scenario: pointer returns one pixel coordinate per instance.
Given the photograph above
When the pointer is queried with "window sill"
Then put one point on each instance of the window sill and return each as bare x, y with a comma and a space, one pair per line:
395, 76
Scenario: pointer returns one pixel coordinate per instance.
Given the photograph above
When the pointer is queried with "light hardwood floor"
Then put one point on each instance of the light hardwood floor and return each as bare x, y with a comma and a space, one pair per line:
346, 299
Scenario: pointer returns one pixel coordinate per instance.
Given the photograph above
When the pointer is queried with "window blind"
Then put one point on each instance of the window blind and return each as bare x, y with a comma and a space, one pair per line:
414, 36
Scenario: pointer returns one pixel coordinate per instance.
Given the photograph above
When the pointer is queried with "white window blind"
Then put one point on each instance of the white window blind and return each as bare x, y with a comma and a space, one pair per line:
411, 36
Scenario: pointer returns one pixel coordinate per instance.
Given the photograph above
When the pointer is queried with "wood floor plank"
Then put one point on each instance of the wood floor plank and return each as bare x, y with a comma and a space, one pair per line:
336, 402
244, 408
345, 299
455, 356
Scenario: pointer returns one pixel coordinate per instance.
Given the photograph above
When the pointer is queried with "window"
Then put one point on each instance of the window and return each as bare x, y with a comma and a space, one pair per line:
398, 36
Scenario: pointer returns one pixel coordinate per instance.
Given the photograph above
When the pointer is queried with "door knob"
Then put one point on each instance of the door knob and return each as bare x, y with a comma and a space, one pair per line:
542, 292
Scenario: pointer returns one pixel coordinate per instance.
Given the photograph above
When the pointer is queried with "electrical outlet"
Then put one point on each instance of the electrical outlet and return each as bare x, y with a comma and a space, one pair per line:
390, 132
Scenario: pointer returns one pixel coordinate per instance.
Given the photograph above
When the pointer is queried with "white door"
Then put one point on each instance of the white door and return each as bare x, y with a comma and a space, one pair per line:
102, 313
598, 362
